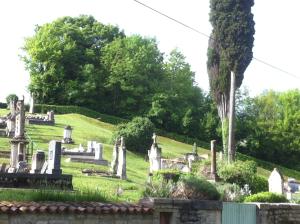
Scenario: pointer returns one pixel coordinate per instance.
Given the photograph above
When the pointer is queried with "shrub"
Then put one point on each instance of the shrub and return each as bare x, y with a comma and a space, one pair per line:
266, 197
229, 192
159, 187
192, 187
11, 97
258, 184
3, 105
137, 134
238, 172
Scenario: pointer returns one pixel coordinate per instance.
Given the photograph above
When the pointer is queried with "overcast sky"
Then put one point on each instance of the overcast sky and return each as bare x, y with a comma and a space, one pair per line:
276, 39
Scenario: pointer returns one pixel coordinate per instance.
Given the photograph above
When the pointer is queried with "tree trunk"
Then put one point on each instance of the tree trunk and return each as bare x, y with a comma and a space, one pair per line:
231, 142
223, 114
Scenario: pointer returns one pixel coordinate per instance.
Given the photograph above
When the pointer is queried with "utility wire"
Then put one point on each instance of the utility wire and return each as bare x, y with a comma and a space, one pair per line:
208, 36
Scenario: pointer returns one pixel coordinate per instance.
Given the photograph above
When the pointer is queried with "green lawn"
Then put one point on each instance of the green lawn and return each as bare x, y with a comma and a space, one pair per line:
84, 129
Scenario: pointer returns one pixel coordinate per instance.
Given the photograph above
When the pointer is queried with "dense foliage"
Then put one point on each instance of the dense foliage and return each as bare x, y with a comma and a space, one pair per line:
266, 197
269, 127
243, 173
11, 97
80, 61
137, 134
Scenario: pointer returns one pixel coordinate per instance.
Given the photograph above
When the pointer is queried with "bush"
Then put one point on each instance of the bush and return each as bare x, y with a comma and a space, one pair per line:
168, 175
11, 97
266, 197
238, 172
229, 192
192, 187
258, 184
137, 134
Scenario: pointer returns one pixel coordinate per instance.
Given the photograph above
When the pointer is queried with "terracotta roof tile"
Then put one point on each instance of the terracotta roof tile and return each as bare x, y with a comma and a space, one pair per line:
73, 207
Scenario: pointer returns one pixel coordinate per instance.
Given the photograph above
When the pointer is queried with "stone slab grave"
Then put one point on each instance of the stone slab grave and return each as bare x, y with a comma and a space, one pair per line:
41, 119
94, 155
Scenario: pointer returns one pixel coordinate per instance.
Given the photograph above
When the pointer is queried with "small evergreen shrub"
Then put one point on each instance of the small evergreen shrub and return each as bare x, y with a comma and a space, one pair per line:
192, 187
3, 105
168, 175
229, 192
258, 184
137, 134
266, 197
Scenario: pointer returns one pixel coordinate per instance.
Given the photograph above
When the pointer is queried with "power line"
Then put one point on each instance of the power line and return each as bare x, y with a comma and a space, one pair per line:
208, 36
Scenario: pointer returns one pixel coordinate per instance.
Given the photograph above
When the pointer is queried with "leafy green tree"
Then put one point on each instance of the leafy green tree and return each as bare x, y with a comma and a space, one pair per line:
11, 97
63, 59
135, 68
229, 54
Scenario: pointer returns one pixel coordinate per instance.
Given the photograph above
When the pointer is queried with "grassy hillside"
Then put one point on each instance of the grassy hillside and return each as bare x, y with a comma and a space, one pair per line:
84, 129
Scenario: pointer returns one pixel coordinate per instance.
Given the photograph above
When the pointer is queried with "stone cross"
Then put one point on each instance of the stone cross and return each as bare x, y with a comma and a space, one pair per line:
54, 157
154, 155
121, 172
115, 157
276, 182
154, 137
38, 160
98, 151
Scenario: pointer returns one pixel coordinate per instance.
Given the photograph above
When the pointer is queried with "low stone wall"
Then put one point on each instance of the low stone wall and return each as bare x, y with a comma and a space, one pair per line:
151, 211
278, 214
181, 211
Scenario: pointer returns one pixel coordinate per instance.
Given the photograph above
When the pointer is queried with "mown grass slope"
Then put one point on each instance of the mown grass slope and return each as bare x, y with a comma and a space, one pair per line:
84, 129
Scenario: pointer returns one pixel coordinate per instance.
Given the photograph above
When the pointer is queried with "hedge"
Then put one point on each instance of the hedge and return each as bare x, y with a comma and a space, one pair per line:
3, 105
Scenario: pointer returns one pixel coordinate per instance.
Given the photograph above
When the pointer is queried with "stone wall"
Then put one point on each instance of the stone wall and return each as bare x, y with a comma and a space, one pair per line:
278, 214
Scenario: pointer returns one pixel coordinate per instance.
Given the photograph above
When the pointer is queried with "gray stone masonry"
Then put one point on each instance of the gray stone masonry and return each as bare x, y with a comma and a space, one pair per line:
38, 160
54, 157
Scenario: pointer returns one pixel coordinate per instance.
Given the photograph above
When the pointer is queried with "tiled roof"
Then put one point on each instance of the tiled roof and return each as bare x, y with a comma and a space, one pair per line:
73, 207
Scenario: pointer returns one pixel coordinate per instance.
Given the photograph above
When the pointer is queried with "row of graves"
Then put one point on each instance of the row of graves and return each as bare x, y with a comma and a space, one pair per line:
19, 173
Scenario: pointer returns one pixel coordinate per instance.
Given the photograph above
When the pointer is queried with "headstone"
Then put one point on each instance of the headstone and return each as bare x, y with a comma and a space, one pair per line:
38, 160
11, 170
121, 172
115, 157
98, 151
3, 167
81, 149
44, 168
54, 157
50, 115
22, 167
276, 182
90, 147
213, 168
154, 155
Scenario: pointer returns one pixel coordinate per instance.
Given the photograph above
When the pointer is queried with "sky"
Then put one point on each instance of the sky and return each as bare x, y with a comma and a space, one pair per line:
276, 39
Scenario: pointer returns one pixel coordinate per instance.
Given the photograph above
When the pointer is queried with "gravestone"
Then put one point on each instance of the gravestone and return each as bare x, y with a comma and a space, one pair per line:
98, 151
44, 168
54, 157
22, 167
38, 160
91, 146
154, 155
115, 157
81, 149
121, 172
50, 115
276, 182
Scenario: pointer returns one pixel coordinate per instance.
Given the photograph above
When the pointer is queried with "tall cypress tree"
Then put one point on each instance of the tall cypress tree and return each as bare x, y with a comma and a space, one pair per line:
229, 54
